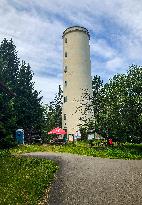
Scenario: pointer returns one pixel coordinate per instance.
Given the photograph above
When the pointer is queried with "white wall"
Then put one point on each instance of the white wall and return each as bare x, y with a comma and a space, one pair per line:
78, 76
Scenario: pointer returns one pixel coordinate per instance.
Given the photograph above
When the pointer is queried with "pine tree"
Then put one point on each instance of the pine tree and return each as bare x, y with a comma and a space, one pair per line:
8, 55
9, 68
7, 117
28, 107
21, 109
53, 112
58, 102
97, 84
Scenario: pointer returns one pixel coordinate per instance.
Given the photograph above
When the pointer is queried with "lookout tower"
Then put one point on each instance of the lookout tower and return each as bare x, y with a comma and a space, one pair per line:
77, 79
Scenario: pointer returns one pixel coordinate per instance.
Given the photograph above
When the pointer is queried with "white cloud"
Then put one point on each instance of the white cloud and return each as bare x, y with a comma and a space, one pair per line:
132, 48
114, 64
49, 87
100, 47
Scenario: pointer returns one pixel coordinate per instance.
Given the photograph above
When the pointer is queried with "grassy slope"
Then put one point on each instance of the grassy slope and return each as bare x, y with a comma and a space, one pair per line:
24, 180
123, 152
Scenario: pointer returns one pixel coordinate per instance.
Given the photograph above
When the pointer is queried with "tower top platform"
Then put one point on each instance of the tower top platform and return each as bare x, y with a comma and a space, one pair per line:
76, 28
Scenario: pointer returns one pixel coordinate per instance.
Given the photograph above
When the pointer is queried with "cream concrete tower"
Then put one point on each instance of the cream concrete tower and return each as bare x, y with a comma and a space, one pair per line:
76, 77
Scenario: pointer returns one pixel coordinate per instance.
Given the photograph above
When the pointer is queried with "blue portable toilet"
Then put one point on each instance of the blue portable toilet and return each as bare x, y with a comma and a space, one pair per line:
20, 136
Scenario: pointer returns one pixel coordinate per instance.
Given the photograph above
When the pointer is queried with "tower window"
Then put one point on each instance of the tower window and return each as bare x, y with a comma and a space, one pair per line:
65, 69
65, 83
65, 40
65, 54
65, 99
65, 117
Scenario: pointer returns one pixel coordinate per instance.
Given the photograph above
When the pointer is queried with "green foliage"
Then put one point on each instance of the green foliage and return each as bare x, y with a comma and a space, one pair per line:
127, 151
20, 104
92, 105
118, 106
10, 68
7, 142
8, 76
83, 131
53, 112
28, 110
24, 180
97, 84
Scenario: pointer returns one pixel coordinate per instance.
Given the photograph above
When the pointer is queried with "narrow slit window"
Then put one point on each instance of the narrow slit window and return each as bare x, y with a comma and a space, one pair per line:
65, 117
65, 54
65, 83
65, 99
65, 69
66, 40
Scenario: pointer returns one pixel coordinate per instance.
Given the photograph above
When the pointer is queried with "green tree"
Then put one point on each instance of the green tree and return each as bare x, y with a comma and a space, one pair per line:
24, 110
10, 71
53, 111
117, 106
28, 108
92, 104
133, 104
120, 109
58, 102
8, 74
109, 118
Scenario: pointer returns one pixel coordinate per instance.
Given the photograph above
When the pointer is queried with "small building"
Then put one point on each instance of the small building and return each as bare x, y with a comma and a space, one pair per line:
20, 136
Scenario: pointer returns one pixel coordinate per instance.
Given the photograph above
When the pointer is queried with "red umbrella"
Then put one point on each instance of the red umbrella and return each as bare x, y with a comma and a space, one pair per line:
49, 133
53, 131
57, 131
60, 131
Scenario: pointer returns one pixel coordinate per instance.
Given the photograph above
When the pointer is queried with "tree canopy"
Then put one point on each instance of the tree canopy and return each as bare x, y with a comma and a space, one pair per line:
118, 111
53, 111
20, 104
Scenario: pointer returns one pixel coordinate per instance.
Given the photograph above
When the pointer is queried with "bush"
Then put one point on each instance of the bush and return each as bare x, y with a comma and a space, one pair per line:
7, 142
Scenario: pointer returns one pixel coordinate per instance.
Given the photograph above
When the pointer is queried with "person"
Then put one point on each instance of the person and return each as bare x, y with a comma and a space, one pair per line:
65, 139
110, 142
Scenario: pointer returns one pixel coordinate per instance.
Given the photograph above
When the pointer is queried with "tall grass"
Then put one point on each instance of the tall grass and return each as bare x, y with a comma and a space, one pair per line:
82, 148
24, 180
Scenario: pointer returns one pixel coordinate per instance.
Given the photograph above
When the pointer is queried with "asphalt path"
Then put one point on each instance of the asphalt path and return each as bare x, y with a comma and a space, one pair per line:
83, 180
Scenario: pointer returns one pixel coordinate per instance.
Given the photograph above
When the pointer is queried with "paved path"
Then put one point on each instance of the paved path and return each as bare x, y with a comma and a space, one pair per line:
85, 180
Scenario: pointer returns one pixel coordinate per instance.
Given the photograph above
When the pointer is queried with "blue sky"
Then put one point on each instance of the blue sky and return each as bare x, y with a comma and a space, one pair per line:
36, 27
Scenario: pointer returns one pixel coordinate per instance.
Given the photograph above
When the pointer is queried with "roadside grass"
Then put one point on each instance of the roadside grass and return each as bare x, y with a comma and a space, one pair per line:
23, 180
126, 151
